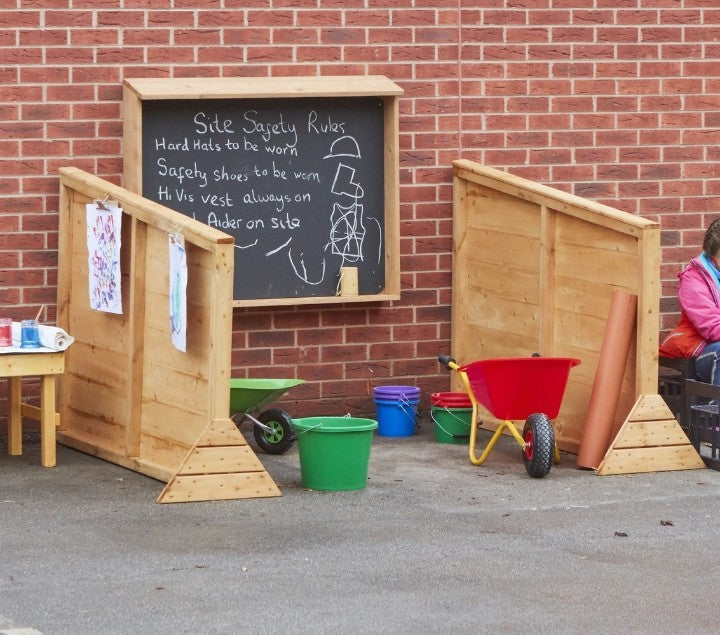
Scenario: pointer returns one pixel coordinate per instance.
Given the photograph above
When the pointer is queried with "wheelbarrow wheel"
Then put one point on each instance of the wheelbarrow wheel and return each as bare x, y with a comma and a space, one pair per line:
281, 435
539, 445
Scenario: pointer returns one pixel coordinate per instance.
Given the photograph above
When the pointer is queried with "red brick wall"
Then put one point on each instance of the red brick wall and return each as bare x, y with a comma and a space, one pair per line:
615, 100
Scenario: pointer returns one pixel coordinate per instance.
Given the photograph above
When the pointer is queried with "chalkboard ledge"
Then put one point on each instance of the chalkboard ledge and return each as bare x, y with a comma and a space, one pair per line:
333, 299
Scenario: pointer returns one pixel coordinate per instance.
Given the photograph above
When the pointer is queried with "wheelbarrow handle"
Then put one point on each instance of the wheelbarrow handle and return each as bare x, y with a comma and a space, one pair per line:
448, 362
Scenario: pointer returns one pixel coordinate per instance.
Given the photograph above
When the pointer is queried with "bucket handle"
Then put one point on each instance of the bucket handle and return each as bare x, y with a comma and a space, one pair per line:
414, 410
452, 414
317, 425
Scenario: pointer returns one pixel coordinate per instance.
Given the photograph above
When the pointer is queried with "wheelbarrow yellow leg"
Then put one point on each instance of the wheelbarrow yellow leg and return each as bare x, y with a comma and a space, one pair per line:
475, 460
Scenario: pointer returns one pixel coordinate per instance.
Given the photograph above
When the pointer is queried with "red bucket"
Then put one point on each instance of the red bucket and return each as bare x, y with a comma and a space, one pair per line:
450, 400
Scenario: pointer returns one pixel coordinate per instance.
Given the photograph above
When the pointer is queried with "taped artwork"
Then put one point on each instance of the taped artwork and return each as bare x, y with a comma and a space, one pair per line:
103, 244
178, 292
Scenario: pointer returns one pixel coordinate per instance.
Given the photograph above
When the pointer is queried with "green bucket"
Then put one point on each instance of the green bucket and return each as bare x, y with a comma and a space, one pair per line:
334, 451
452, 425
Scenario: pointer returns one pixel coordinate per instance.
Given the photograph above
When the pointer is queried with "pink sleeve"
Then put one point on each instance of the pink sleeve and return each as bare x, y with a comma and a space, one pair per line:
699, 304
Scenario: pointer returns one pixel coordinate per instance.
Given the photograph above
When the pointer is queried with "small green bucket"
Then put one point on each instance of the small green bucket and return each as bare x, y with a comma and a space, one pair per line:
452, 425
334, 451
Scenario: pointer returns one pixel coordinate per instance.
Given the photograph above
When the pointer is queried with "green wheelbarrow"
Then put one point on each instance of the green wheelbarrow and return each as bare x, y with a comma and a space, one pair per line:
273, 429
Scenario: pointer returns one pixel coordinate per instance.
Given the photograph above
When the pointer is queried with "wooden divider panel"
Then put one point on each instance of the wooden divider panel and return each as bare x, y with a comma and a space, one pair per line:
128, 395
534, 269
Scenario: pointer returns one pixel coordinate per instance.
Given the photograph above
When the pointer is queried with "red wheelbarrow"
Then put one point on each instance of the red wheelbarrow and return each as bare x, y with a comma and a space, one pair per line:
513, 389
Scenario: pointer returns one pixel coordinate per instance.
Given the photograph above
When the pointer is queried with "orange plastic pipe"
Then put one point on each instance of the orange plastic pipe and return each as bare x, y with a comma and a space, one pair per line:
608, 379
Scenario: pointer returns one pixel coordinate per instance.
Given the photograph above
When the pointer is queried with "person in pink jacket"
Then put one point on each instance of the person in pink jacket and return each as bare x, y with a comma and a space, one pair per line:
698, 332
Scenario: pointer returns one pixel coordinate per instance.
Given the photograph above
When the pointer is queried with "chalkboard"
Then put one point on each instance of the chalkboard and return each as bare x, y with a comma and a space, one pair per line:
299, 183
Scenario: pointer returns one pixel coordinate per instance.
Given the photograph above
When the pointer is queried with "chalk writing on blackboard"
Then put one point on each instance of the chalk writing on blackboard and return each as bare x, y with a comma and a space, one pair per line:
299, 183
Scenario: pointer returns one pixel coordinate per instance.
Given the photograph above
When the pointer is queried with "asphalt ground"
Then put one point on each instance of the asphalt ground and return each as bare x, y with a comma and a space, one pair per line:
433, 544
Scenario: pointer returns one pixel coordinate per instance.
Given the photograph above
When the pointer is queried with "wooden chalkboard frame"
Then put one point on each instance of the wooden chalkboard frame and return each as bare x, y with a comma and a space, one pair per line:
135, 91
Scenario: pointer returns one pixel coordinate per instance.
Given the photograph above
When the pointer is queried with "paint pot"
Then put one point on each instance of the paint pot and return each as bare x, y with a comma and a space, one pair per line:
29, 334
5, 332
334, 451
396, 410
451, 413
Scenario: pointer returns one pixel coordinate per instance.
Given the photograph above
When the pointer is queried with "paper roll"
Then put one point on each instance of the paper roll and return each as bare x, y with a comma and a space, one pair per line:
348, 281
50, 336
608, 379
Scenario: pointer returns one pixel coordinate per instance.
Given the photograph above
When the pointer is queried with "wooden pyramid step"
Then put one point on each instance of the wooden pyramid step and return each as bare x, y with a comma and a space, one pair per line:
650, 440
220, 466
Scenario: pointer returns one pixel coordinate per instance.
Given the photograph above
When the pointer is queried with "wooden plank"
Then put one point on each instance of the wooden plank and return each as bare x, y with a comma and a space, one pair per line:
85, 432
197, 311
547, 280
575, 328
160, 351
503, 281
166, 450
218, 487
89, 445
638, 434
650, 408
14, 397
96, 365
519, 218
48, 455
489, 343
98, 330
30, 364
260, 87
149, 212
392, 197
105, 402
503, 247
132, 139
173, 424
33, 412
586, 297
646, 376
662, 459
576, 232
460, 244
220, 330
220, 460
177, 389
570, 204
221, 432
136, 309
587, 263
511, 316
376, 297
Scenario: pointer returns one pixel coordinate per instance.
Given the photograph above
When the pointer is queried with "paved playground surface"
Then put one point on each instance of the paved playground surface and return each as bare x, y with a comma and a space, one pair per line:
433, 544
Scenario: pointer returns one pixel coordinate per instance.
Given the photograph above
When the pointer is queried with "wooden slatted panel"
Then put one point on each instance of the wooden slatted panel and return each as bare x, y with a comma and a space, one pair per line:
650, 440
534, 269
638, 434
655, 459
219, 487
128, 395
650, 408
222, 432
221, 460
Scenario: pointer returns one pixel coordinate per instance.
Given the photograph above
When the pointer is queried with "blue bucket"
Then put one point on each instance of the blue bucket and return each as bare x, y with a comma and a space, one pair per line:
396, 411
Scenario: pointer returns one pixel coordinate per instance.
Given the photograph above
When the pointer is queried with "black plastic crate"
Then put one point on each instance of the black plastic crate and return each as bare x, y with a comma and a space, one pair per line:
671, 387
703, 414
